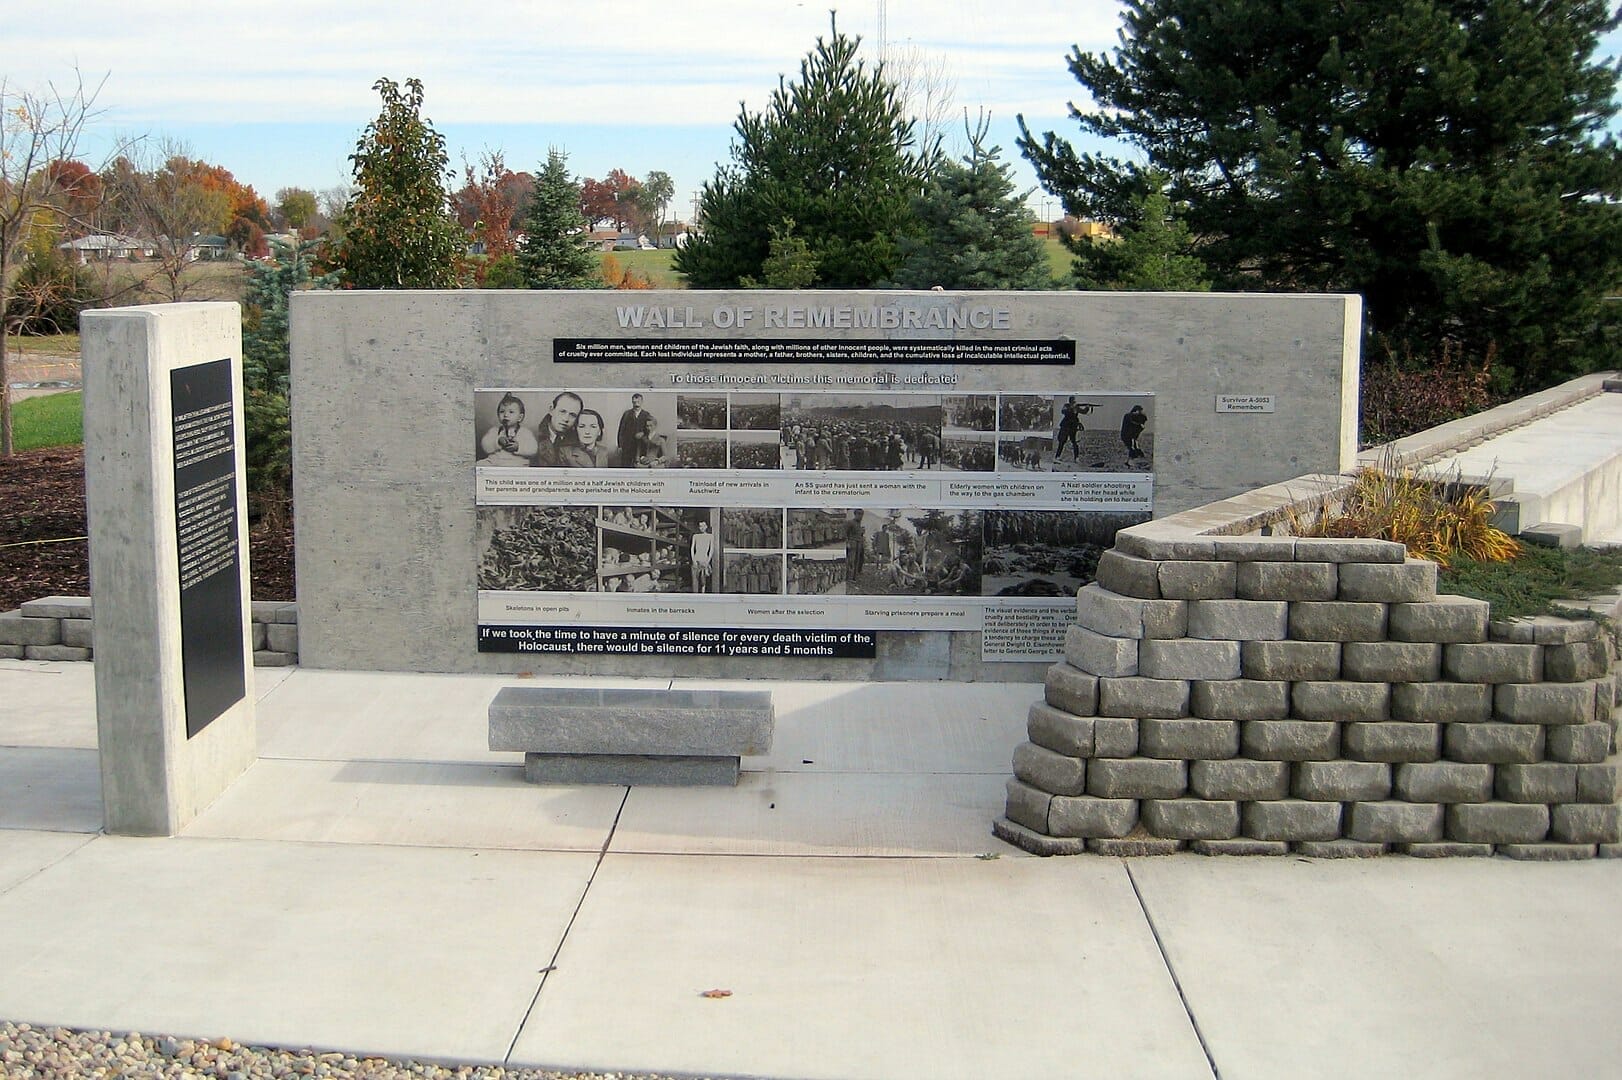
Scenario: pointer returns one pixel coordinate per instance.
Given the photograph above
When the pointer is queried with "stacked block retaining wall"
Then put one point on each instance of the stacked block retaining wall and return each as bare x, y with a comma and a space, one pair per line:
1273, 694
62, 628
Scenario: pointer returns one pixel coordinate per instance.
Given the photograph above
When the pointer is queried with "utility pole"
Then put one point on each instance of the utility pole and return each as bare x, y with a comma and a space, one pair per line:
884, 27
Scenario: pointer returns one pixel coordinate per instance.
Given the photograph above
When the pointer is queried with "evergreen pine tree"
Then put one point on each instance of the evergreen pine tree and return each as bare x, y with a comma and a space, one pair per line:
833, 152
1149, 254
975, 231
398, 229
1447, 159
556, 250
271, 282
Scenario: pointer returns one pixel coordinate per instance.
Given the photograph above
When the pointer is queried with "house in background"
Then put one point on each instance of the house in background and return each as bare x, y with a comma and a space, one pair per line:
104, 246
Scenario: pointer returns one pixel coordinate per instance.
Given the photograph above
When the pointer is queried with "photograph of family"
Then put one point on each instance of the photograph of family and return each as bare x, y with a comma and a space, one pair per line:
567, 429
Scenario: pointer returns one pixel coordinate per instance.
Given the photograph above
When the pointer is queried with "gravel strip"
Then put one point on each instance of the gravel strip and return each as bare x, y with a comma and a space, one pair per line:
28, 1052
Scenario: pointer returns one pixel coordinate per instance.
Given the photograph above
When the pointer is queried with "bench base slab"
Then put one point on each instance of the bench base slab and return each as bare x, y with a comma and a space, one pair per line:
630, 769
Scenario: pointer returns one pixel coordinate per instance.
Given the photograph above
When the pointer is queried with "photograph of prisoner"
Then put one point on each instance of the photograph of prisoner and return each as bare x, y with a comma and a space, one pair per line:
816, 529
912, 552
755, 449
706, 412
537, 548
701, 450
756, 412
861, 432
752, 574
1100, 432
818, 573
673, 549
1047, 552
968, 451
568, 429
752, 529
969, 412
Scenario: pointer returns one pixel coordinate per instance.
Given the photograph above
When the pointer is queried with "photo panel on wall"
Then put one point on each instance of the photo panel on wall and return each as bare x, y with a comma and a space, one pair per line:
861, 432
913, 552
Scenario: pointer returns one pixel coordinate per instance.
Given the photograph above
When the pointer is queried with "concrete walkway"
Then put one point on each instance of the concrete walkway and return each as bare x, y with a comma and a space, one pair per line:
379, 882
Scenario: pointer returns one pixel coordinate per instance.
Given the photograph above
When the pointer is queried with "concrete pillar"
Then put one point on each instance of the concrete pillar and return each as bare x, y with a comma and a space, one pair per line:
166, 488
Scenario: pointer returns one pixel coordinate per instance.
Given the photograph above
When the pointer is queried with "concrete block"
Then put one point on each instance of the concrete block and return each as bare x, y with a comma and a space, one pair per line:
1115, 736
1543, 630
1591, 823
1552, 534
1447, 849
1547, 852
1493, 744
1286, 581
1442, 782
1136, 778
1197, 580
1291, 819
1099, 654
1136, 846
1011, 832
1544, 703
1046, 771
1107, 613
1187, 739
1441, 703
1391, 661
1239, 699
1337, 849
1240, 779
275, 611
1140, 697
1395, 822
1446, 619
1412, 581
1290, 740
282, 637
1091, 818
630, 770
1163, 547
1353, 550
78, 633
1256, 549
1059, 731
258, 631
1497, 823
1493, 662
1188, 658
1581, 744
1543, 782
1290, 661
55, 652
578, 720
1191, 819
57, 607
1609, 851
1027, 806
1239, 620
1392, 742
1071, 689
1128, 575
18, 629
1571, 663
266, 658
1345, 702
1597, 784
1337, 620
12, 652
1341, 781
1239, 846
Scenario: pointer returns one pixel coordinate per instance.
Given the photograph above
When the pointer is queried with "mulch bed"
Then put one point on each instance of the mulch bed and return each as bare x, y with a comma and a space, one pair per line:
42, 522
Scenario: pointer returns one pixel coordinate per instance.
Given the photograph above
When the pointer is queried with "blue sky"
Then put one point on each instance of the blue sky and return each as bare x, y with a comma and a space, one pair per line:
280, 94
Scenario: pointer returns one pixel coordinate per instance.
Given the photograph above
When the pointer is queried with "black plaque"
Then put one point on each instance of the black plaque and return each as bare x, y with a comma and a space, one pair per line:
207, 524
1012, 351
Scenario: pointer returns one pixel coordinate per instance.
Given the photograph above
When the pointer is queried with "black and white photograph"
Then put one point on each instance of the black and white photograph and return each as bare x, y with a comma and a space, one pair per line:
968, 451
705, 412
913, 552
574, 429
756, 412
757, 575
1047, 552
537, 548
968, 412
1025, 414
1077, 433
861, 432
701, 450
752, 529
755, 449
816, 529
818, 573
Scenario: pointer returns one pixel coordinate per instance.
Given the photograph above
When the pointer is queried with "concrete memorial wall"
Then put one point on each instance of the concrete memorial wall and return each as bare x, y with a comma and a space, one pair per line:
886, 485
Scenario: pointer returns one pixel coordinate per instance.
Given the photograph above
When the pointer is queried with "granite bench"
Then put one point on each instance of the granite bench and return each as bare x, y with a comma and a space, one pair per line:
572, 735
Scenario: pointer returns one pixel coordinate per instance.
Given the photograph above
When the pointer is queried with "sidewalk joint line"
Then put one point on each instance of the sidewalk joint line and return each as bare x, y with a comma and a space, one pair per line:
1165, 959
552, 964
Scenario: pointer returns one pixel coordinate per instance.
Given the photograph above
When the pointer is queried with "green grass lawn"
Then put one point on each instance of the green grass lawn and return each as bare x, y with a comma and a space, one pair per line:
38, 423
45, 344
655, 265
1536, 581
1058, 258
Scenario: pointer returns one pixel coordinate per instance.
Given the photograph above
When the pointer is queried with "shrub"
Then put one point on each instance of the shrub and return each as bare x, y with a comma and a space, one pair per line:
1402, 393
